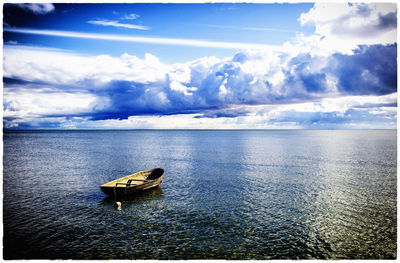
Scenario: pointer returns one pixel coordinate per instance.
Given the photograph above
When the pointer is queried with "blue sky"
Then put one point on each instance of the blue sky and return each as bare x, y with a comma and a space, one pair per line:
249, 23
223, 65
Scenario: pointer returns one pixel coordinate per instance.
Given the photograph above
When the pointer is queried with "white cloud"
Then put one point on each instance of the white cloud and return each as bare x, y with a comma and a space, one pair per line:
28, 102
177, 86
130, 16
12, 42
339, 104
61, 67
152, 40
38, 8
117, 24
249, 77
342, 26
178, 121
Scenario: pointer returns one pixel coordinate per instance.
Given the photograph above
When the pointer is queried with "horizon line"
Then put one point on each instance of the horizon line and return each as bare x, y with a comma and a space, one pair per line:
194, 129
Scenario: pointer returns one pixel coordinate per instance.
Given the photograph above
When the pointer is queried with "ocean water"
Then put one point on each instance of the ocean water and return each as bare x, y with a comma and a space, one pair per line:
281, 194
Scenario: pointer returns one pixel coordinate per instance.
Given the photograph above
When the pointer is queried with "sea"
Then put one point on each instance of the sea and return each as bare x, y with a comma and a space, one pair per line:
226, 194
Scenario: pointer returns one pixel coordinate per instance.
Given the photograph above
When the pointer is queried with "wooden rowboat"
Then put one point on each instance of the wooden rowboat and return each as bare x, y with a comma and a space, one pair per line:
134, 183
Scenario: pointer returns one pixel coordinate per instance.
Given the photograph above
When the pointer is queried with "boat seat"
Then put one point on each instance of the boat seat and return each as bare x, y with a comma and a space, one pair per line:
129, 182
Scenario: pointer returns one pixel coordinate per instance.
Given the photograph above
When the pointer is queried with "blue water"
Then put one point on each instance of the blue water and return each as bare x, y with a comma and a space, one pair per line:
225, 195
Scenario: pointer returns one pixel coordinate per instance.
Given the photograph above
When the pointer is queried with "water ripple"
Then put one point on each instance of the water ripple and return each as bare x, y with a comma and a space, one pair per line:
226, 195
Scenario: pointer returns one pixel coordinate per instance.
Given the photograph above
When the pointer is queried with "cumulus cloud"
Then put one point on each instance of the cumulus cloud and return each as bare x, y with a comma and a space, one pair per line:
60, 67
30, 104
370, 70
100, 88
38, 8
348, 25
47, 102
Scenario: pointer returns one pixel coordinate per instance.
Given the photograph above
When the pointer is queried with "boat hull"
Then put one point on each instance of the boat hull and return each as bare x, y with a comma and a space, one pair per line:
134, 183
123, 191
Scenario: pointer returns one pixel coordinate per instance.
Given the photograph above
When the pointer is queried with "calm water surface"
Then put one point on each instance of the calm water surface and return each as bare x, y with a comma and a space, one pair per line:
225, 195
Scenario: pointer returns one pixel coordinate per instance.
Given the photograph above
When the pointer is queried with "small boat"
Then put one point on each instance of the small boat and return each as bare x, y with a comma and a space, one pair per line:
133, 183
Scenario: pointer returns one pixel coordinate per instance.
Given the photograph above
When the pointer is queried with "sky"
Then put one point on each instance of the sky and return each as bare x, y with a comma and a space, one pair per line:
200, 66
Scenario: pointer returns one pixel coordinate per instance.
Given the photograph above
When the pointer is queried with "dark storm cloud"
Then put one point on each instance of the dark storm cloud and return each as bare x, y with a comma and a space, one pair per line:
129, 98
372, 70
387, 21
37, 8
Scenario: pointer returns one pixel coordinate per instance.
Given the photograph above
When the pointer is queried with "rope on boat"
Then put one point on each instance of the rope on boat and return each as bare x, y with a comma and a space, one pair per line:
116, 204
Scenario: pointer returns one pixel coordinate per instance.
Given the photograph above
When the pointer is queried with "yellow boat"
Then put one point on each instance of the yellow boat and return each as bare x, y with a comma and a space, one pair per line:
134, 183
